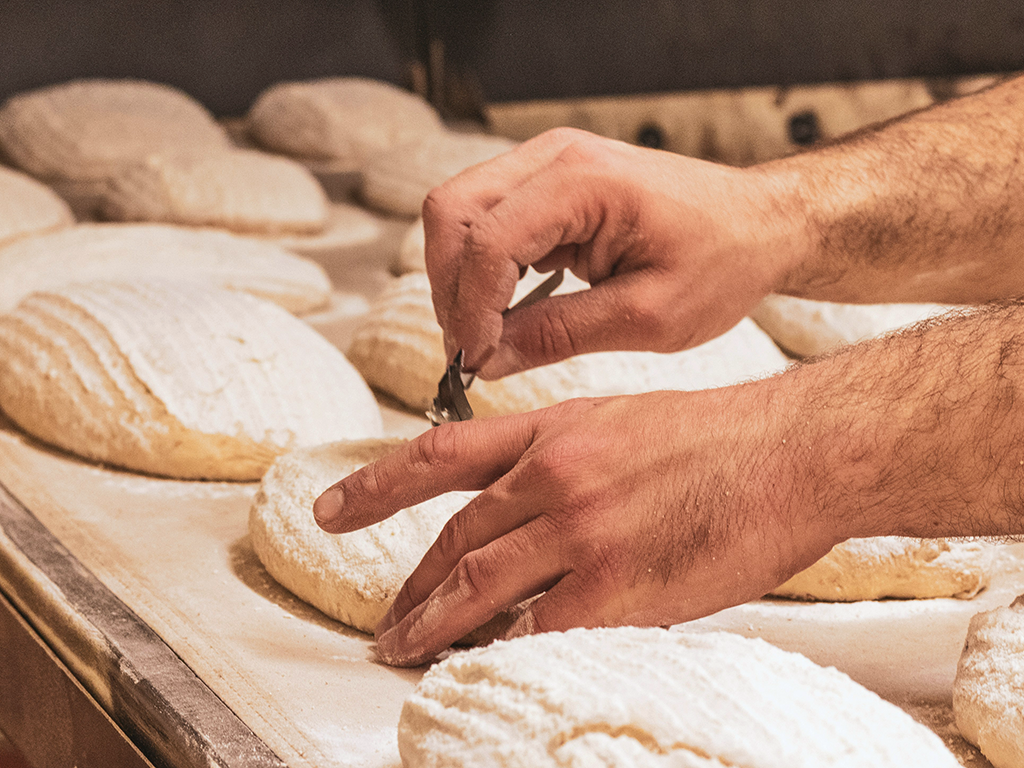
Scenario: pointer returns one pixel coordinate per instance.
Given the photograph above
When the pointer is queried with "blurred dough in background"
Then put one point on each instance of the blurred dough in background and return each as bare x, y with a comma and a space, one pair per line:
28, 207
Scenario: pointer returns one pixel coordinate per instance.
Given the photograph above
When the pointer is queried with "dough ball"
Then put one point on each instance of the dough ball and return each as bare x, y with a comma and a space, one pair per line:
347, 226
352, 577
343, 120
398, 180
176, 380
988, 694
28, 207
412, 251
652, 697
398, 348
804, 327
240, 190
82, 130
131, 252
894, 566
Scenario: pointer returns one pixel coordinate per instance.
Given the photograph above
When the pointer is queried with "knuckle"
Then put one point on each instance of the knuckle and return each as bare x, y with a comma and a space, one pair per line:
366, 482
474, 574
438, 203
437, 445
451, 542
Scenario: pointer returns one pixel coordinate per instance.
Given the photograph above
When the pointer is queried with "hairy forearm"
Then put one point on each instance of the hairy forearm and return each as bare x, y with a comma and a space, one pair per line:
920, 433
929, 207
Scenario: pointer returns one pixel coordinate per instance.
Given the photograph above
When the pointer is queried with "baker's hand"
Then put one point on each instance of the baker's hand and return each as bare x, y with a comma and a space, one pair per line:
676, 250
649, 510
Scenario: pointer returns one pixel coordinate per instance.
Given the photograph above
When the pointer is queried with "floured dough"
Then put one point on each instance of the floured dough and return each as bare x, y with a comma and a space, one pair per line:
129, 252
343, 120
987, 695
347, 226
240, 190
805, 327
28, 207
399, 349
82, 129
894, 566
177, 380
399, 179
412, 250
651, 697
352, 577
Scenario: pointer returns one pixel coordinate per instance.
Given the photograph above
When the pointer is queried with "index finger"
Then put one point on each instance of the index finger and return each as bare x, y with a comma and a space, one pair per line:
462, 456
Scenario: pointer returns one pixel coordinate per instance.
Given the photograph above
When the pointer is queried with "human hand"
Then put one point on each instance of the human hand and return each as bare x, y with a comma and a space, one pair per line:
676, 250
647, 510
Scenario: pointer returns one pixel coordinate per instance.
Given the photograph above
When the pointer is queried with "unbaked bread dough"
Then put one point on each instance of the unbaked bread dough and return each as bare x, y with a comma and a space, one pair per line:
651, 697
894, 566
399, 349
173, 379
347, 226
130, 252
398, 180
412, 256
352, 577
28, 207
987, 695
342, 120
804, 327
240, 190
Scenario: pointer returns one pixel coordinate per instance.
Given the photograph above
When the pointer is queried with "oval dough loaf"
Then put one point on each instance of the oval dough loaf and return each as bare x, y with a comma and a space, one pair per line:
805, 328
399, 179
352, 577
651, 697
131, 252
28, 207
988, 693
343, 120
176, 380
399, 349
894, 566
240, 190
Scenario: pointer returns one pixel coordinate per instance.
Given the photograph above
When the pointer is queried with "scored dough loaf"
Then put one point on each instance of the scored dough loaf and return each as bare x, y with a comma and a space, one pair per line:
173, 379
894, 566
82, 129
240, 190
805, 328
987, 701
398, 348
398, 180
28, 207
343, 120
130, 252
352, 577
641, 698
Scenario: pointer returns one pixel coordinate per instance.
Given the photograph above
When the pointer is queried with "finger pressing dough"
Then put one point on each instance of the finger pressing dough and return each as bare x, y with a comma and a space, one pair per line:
28, 207
398, 180
74, 134
988, 693
240, 190
804, 327
894, 566
650, 697
399, 349
343, 120
176, 380
352, 577
130, 252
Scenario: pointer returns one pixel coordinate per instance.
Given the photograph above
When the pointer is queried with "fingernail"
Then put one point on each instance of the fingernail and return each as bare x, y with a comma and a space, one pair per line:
327, 507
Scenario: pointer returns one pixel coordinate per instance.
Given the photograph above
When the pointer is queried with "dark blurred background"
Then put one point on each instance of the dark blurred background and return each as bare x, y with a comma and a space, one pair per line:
224, 52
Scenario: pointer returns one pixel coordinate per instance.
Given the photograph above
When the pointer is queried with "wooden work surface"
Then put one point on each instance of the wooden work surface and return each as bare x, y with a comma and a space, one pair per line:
244, 673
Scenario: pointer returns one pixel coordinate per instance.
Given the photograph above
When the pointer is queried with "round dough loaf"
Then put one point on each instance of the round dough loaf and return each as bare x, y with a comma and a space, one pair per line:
352, 577
397, 181
651, 697
176, 380
81, 130
240, 190
130, 252
343, 119
398, 348
987, 694
894, 566
28, 207
805, 328
412, 255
